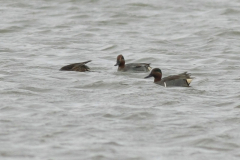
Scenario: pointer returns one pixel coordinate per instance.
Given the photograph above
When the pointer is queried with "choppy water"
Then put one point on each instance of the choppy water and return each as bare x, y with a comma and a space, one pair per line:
48, 114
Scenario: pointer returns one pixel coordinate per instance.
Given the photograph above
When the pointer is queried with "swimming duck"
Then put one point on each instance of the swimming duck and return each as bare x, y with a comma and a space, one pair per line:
80, 67
137, 67
181, 80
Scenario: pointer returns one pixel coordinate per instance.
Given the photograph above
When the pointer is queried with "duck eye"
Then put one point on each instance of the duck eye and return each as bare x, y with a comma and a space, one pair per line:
158, 70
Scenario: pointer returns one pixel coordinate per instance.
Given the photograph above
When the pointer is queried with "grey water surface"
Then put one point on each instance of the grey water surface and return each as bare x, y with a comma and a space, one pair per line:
47, 114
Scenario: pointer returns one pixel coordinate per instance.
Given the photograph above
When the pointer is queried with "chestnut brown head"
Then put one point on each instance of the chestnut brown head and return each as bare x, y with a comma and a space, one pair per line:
156, 73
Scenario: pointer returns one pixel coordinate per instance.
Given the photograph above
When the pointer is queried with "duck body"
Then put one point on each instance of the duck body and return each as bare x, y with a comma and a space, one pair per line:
135, 67
180, 80
131, 67
79, 67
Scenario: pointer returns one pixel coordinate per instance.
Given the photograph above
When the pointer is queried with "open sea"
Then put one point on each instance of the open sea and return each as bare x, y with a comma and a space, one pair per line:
47, 114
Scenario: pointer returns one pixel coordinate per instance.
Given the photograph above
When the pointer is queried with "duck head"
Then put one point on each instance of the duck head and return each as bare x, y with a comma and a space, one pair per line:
120, 61
156, 73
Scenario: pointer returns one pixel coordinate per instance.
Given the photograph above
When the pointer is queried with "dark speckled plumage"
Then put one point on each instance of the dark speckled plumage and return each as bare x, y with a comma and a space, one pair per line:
181, 80
80, 67
132, 67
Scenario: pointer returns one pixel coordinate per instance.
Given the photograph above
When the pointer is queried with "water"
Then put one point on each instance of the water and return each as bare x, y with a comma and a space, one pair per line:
48, 114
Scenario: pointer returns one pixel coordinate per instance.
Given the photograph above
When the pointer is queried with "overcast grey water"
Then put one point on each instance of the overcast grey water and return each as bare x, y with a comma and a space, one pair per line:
47, 114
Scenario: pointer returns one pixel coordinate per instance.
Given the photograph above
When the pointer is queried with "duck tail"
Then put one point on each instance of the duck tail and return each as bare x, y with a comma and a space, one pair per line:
189, 81
86, 62
186, 76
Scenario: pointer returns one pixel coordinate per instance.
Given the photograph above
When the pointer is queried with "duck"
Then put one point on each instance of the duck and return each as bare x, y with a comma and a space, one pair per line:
181, 80
131, 67
79, 67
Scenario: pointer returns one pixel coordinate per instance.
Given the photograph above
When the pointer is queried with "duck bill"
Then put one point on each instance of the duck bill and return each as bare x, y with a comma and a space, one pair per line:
118, 62
148, 76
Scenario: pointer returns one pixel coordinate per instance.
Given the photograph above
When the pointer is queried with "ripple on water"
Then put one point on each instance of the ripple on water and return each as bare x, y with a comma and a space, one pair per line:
106, 114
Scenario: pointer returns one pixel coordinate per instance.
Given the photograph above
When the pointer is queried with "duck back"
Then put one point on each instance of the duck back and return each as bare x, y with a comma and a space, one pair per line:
80, 67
